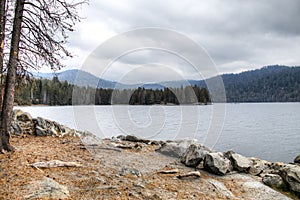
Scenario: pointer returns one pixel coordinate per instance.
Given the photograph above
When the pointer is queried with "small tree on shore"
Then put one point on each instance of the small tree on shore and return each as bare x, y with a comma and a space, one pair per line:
38, 36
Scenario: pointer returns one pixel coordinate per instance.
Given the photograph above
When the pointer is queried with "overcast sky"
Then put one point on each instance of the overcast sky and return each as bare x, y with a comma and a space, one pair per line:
237, 35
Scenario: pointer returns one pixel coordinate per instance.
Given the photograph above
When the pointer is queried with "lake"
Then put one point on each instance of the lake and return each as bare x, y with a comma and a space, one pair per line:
269, 131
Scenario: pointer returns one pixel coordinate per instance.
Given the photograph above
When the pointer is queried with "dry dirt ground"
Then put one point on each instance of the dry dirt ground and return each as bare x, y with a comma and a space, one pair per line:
111, 172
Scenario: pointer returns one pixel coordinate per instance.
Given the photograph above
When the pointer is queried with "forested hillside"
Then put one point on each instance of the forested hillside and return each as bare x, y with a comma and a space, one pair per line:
55, 92
269, 84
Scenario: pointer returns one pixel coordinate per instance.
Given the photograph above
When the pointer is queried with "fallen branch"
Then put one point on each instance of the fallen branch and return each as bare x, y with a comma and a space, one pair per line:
171, 171
195, 174
55, 163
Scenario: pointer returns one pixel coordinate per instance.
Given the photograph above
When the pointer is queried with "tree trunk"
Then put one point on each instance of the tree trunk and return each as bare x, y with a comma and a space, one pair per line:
8, 101
2, 35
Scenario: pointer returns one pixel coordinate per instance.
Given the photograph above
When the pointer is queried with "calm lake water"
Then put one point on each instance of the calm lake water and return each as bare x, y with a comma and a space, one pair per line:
269, 131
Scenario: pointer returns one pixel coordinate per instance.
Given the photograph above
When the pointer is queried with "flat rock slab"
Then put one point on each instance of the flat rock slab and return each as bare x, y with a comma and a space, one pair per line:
47, 188
221, 188
252, 189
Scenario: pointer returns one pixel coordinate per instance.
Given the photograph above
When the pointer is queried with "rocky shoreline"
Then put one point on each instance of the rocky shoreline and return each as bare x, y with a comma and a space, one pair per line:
184, 169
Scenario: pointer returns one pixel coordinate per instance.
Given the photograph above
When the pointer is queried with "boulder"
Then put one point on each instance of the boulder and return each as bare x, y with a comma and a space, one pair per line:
174, 148
257, 166
271, 168
24, 117
217, 163
132, 138
291, 175
194, 155
19, 115
272, 180
28, 128
297, 159
239, 162
47, 189
22, 123
45, 127
40, 131
16, 113
16, 128
276, 167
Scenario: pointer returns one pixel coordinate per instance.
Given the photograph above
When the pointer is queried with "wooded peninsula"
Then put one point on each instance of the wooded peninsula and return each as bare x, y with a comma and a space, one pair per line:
54, 92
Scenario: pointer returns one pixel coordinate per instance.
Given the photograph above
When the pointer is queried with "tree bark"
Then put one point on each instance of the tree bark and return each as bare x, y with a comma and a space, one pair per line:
2, 36
8, 101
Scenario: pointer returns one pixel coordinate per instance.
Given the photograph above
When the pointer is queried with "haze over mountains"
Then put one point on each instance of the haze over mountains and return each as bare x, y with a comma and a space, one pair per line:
275, 83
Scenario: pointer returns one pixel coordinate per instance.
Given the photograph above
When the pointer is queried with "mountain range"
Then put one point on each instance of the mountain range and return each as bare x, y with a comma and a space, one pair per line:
276, 83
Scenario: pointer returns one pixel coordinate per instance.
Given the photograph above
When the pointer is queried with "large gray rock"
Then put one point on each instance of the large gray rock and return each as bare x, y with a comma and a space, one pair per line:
22, 123
275, 167
297, 159
16, 128
24, 117
47, 188
133, 138
291, 175
174, 148
217, 163
272, 168
272, 180
239, 162
194, 155
44, 127
257, 166
20, 115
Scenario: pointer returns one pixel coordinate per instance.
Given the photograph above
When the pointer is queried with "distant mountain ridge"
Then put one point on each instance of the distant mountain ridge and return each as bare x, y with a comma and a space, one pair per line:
276, 83
86, 78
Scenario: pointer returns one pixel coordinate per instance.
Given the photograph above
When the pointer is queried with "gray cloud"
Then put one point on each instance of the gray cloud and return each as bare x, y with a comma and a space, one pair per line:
238, 35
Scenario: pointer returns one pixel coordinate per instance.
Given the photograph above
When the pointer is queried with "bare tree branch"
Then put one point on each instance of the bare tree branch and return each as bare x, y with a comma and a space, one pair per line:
44, 29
